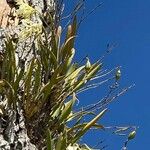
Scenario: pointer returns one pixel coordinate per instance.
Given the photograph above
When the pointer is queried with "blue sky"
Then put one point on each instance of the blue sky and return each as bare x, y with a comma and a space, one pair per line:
126, 23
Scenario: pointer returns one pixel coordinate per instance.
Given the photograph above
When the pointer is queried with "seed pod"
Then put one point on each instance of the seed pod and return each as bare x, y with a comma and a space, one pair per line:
59, 31
118, 74
124, 148
88, 65
132, 135
69, 32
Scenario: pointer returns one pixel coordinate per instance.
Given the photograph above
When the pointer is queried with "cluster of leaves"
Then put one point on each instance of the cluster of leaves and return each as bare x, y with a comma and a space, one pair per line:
46, 88
50, 78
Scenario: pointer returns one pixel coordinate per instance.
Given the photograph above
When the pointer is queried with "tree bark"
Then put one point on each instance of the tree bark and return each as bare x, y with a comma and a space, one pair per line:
13, 131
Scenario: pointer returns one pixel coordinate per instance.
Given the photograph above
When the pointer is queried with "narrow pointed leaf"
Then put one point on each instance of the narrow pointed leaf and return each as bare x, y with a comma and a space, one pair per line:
49, 140
68, 108
88, 126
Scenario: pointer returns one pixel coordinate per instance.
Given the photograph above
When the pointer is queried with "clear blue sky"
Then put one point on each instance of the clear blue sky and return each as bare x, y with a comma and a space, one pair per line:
126, 22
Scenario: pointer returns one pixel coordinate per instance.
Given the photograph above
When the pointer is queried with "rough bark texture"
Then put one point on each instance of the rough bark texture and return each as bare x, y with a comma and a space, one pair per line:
13, 132
4, 11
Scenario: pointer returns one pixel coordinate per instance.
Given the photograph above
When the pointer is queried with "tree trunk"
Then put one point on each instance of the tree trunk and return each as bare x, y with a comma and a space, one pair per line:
13, 131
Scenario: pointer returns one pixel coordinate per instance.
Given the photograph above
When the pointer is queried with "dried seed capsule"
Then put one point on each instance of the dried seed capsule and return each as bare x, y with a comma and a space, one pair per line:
118, 74
88, 64
132, 135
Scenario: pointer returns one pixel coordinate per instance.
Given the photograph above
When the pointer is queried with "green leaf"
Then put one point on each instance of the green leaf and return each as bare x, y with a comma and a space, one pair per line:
28, 79
74, 74
68, 61
72, 32
57, 111
10, 61
37, 77
59, 142
88, 126
67, 109
49, 140
70, 38
81, 126
66, 49
93, 70
44, 92
19, 77
84, 78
